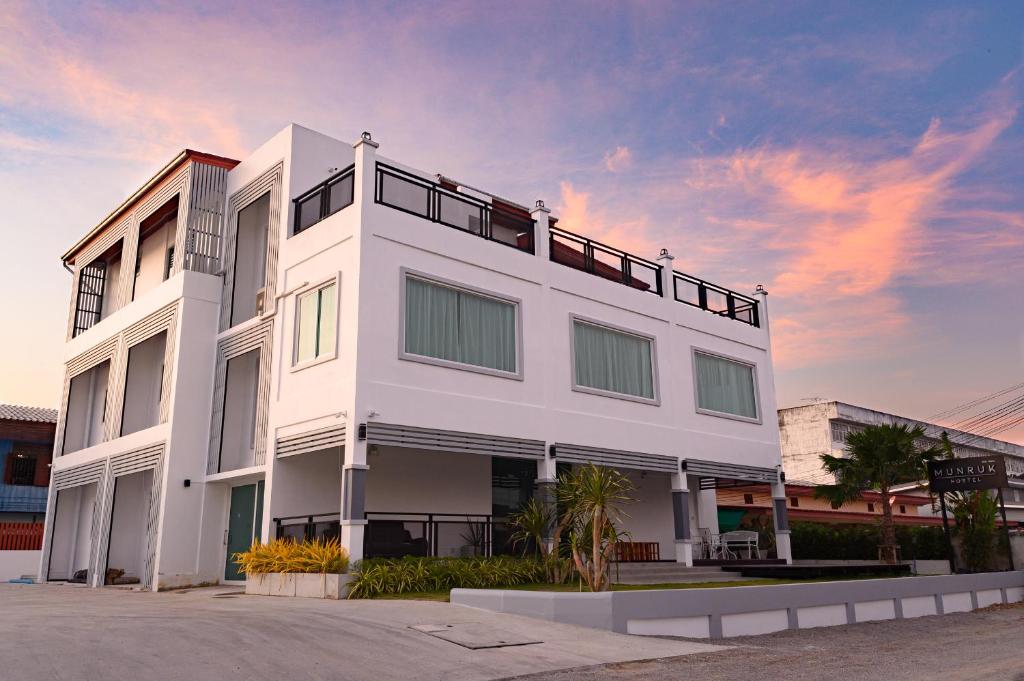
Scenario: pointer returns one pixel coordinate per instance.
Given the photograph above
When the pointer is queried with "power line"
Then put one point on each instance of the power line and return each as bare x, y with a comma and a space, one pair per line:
986, 418
960, 408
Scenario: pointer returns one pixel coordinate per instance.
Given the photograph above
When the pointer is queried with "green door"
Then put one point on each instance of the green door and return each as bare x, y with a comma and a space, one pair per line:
244, 523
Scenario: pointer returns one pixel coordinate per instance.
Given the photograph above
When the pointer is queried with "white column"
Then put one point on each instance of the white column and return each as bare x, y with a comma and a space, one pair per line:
542, 239
353, 494
546, 494
681, 519
780, 518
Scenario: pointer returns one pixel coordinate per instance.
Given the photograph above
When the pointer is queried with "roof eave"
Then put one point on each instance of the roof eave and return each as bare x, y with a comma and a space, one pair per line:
161, 174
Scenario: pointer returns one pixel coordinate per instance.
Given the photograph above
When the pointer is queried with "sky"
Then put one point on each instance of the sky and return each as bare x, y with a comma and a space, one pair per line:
862, 161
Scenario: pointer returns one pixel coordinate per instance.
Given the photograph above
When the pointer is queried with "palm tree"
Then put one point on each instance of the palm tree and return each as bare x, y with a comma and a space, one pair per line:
877, 458
593, 497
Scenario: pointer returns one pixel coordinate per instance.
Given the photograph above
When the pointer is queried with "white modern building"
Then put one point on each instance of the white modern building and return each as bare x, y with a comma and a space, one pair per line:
320, 341
811, 430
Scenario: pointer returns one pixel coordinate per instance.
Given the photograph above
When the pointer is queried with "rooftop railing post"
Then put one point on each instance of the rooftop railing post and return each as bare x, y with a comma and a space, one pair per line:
760, 313
364, 183
541, 235
665, 283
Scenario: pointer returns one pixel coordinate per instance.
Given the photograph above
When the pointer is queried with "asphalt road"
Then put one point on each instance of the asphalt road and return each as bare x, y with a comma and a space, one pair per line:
986, 645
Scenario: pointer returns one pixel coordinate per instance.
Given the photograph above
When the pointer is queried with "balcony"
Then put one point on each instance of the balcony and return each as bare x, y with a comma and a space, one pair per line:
442, 203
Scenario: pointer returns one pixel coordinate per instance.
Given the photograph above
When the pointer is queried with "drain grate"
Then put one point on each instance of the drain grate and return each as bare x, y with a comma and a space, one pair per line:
474, 636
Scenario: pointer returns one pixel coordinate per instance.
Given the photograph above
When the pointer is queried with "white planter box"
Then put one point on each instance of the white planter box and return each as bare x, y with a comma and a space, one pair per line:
303, 585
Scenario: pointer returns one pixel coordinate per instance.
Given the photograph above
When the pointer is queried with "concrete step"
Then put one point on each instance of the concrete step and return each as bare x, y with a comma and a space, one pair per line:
654, 568
669, 573
679, 579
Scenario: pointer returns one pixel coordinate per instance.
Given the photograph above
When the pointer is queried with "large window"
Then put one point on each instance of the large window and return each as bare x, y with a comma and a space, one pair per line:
316, 324
250, 260
725, 386
607, 360
450, 325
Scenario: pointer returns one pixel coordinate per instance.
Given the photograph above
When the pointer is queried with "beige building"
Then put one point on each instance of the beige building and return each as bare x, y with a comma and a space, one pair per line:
811, 430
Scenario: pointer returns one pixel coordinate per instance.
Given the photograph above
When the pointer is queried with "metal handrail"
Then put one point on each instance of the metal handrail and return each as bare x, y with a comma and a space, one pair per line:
738, 306
432, 208
592, 265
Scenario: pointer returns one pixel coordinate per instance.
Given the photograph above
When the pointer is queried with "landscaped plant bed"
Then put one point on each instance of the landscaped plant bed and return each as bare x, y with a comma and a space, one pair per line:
309, 569
300, 584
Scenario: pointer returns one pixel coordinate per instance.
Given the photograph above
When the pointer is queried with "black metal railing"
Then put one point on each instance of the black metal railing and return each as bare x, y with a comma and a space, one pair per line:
715, 299
587, 255
392, 534
308, 527
414, 195
324, 200
89, 303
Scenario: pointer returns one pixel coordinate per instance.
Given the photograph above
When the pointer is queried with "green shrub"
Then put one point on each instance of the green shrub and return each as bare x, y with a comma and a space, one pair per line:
822, 541
379, 576
286, 555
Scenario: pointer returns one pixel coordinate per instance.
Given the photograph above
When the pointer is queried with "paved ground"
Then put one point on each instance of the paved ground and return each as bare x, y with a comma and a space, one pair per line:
978, 646
62, 633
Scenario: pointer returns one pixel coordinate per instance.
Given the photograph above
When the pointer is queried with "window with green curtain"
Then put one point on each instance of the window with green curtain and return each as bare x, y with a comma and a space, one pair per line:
606, 359
317, 323
725, 386
459, 326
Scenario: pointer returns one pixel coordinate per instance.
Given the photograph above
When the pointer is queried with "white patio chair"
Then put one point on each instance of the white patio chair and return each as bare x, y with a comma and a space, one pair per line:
741, 540
711, 547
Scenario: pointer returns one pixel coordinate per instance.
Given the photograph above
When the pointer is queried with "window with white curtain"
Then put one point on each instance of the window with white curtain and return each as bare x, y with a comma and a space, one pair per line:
725, 386
444, 323
609, 360
316, 324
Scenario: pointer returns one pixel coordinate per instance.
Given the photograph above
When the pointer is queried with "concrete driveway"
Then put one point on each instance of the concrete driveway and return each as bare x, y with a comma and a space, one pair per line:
66, 632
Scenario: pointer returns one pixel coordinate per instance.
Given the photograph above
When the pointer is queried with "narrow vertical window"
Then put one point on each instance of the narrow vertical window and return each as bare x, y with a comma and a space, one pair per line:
316, 324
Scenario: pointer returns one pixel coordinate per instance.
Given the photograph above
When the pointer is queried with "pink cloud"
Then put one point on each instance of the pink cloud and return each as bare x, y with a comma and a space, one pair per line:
620, 159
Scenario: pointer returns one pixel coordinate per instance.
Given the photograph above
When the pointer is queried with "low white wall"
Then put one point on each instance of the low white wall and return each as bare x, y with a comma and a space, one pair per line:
750, 610
15, 564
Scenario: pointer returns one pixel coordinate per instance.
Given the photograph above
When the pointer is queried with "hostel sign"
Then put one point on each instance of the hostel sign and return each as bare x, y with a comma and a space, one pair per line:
955, 475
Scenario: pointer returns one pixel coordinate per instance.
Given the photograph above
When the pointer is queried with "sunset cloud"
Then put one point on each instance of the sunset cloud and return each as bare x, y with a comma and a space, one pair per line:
620, 159
864, 169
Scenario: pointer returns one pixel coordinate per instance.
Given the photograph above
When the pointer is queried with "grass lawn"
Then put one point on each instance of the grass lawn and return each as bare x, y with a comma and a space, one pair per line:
442, 596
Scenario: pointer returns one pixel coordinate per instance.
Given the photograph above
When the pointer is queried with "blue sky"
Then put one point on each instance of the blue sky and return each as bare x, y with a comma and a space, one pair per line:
861, 160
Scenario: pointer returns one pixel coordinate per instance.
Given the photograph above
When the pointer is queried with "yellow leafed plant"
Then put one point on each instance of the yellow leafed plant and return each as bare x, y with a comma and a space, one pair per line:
286, 555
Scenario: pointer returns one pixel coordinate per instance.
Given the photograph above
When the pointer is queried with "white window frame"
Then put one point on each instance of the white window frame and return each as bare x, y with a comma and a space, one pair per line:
694, 351
656, 384
324, 283
405, 273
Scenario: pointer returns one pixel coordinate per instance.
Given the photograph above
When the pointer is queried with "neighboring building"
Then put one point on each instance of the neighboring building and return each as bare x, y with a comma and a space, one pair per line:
809, 431
317, 341
26, 447
803, 505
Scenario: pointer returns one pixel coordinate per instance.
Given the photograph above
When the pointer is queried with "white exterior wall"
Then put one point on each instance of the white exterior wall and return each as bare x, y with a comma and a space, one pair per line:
364, 248
543, 404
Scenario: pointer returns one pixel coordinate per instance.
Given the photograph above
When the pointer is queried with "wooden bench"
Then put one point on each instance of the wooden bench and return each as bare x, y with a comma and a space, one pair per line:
637, 551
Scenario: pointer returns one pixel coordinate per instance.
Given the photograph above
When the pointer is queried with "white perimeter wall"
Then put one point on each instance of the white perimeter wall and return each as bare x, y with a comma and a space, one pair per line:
15, 564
